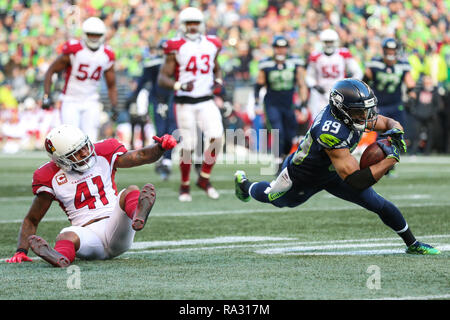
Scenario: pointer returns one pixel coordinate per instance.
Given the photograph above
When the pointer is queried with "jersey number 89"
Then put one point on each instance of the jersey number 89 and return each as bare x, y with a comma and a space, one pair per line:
331, 126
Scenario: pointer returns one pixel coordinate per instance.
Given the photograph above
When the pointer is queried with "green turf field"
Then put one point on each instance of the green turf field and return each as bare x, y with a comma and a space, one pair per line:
227, 249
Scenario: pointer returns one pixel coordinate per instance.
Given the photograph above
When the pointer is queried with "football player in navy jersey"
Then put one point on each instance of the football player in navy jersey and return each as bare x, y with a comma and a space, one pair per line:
160, 105
386, 75
323, 161
282, 75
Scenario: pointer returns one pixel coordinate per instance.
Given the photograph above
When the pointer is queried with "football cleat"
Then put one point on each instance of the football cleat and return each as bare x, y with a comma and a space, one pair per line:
239, 178
205, 185
185, 195
422, 248
211, 192
43, 250
145, 204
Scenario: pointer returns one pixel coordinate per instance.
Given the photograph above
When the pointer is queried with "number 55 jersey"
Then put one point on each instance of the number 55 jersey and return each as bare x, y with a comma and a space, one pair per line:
310, 163
86, 196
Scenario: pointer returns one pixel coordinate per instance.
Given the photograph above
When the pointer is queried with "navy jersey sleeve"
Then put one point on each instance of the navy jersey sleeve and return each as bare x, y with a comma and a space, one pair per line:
330, 133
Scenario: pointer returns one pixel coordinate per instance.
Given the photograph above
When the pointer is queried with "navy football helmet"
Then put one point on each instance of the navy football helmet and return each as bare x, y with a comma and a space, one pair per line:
280, 41
278, 44
390, 50
353, 102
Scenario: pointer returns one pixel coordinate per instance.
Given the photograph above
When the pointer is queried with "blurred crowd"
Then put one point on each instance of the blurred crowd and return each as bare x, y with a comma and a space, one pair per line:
33, 31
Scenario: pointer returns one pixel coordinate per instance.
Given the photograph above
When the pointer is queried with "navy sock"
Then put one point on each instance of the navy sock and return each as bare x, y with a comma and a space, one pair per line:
393, 218
257, 191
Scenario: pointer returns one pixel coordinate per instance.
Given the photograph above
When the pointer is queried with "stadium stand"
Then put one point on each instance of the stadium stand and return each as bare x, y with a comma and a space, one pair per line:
32, 32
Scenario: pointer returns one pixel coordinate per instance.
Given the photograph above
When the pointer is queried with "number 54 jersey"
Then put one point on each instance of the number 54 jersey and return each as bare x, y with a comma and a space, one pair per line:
310, 163
86, 196
82, 78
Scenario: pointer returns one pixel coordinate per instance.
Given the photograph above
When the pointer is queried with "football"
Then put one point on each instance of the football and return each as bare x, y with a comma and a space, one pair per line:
373, 154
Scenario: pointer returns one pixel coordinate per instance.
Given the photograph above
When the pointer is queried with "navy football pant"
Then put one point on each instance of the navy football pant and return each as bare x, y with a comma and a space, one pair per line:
163, 118
283, 119
367, 199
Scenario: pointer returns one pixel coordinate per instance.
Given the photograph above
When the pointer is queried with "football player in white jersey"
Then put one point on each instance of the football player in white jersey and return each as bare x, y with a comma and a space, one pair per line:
326, 67
84, 63
191, 69
80, 177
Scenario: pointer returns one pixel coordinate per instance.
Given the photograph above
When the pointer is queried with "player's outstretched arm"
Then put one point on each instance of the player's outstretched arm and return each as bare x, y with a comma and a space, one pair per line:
348, 169
37, 211
148, 154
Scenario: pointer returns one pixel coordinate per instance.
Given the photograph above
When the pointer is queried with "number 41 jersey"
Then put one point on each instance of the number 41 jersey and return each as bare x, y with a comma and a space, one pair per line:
86, 196
310, 163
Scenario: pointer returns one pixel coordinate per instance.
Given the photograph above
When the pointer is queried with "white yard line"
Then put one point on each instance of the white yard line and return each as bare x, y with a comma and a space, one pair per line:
249, 211
287, 247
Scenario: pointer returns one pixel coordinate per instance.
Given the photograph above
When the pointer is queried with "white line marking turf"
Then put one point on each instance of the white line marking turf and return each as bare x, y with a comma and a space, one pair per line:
249, 211
288, 247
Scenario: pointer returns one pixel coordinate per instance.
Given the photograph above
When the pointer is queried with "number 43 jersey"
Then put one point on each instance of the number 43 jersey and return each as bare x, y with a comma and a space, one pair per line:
86, 196
194, 62
310, 163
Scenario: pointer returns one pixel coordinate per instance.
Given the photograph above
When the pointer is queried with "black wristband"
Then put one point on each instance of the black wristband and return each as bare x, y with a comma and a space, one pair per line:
161, 147
361, 179
22, 250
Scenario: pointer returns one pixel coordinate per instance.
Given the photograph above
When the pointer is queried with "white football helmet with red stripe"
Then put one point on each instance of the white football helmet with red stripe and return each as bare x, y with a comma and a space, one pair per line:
63, 142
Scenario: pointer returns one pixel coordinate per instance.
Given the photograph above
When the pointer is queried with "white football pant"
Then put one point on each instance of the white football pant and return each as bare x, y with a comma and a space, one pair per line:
107, 238
84, 115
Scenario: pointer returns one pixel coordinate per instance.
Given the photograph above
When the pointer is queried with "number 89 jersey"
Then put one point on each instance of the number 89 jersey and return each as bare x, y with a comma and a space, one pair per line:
86, 196
310, 162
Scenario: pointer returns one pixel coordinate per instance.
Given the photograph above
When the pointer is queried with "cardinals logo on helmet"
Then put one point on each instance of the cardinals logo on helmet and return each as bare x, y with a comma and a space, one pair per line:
49, 146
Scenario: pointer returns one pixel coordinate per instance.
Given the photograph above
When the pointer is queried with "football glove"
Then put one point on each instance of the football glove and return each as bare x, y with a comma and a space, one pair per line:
187, 86
46, 102
396, 138
218, 87
390, 151
166, 142
18, 257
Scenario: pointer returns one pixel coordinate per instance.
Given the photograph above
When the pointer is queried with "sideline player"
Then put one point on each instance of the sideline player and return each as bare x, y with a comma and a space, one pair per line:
160, 104
80, 177
84, 62
282, 75
191, 59
386, 75
323, 161
327, 66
